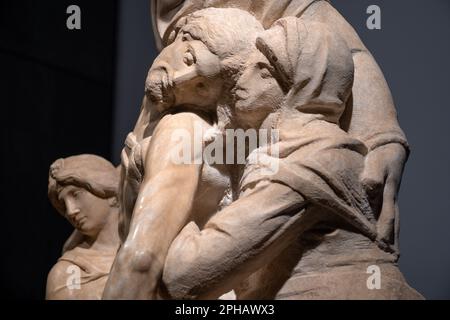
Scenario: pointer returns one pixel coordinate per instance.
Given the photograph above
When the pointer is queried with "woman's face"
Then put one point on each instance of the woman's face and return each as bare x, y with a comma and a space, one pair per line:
85, 211
257, 93
185, 73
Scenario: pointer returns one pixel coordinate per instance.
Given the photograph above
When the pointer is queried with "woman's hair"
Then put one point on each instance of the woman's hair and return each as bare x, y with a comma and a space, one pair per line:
90, 172
227, 32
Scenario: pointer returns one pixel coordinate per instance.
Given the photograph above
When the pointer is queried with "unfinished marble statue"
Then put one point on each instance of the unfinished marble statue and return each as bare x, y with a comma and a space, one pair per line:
83, 189
204, 66
312, 228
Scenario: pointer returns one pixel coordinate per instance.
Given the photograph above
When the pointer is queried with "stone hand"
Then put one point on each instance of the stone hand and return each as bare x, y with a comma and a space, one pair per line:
381, 178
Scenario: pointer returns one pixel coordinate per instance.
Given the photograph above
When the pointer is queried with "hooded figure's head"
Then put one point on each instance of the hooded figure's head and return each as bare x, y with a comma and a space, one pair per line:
312, 64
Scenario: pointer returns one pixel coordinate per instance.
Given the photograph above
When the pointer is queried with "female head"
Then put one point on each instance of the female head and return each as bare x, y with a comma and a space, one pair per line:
84, 190
206, 51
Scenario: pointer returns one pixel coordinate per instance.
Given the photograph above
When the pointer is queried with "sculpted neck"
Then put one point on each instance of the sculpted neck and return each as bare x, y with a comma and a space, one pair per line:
108, 239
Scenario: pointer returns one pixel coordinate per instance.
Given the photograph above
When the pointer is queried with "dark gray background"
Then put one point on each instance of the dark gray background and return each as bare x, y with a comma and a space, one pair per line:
56, 89
413, 49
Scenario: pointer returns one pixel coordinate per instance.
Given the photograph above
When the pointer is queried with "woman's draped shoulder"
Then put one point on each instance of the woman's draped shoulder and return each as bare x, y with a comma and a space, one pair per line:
93, 264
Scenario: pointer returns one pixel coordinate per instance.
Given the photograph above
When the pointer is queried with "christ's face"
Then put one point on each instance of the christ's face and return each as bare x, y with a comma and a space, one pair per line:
186, 73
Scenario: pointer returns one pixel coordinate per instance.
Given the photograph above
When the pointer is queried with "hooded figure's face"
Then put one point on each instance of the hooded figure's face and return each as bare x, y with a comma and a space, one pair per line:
257, 93
85, 211
185, 73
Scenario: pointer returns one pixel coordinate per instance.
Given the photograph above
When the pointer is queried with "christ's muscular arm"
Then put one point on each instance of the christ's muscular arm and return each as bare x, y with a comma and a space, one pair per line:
162, 209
